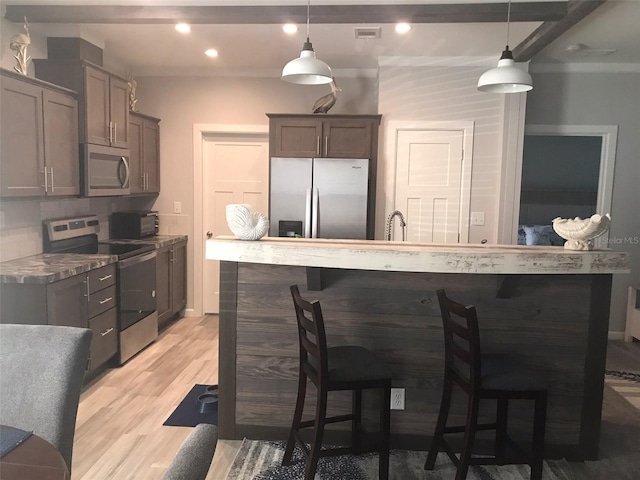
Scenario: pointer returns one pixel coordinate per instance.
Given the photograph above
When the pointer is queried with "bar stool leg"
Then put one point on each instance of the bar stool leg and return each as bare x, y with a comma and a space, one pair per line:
297, 417
469, 436
385, 431
316, 443
356, 411
538, 435
445, 403
502, 416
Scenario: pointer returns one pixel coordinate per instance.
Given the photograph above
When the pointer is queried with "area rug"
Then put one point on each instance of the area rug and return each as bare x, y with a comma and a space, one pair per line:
259, 460
626, 384
187, 413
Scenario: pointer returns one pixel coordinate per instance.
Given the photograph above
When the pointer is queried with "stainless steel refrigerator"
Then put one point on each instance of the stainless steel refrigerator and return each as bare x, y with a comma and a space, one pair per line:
318, 197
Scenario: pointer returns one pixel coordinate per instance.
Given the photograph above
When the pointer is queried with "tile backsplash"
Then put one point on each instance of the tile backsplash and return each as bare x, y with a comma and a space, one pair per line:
21, 220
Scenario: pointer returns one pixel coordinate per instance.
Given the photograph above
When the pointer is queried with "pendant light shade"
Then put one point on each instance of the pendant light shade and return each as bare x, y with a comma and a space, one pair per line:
506, 77
307, 69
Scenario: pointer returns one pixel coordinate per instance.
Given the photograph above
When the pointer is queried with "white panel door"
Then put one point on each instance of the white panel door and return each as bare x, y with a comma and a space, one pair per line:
236, 170
428, 184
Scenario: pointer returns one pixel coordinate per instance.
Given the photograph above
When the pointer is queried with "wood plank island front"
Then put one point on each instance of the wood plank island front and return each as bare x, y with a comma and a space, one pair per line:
547, 304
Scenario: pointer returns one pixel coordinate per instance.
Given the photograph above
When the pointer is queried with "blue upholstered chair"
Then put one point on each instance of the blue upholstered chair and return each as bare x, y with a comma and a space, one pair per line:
41, 372
193, 459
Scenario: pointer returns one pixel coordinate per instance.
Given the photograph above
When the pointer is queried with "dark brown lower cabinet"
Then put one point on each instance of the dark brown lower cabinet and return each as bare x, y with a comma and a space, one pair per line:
171, 276
85, 301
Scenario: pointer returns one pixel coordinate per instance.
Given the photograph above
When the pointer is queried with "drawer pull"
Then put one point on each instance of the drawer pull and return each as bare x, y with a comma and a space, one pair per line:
106, 332
106, 277
108, 299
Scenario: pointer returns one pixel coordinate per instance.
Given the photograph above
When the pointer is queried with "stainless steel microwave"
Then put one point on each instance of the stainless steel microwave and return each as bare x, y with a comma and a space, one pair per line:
105, 171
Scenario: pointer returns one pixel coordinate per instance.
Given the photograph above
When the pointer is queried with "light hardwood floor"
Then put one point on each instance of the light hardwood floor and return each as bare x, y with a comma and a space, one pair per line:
119, 431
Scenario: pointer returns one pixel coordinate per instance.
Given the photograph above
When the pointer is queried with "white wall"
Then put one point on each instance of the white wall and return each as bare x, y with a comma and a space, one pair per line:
584, 98
437, 94
181, 102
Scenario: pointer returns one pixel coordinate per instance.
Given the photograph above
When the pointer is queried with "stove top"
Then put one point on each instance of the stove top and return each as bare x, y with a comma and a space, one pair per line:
80, 235
124, 250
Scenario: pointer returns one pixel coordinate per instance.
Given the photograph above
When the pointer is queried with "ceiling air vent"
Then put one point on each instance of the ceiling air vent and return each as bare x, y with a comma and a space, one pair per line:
367, 33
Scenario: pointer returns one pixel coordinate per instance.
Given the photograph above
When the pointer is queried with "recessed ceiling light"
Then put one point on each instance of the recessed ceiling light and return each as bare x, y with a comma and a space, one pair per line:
183, 28
211, 52
290, 28
402, 28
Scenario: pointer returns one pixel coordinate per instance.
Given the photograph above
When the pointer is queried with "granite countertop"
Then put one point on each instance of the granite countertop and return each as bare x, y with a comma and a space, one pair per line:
159, 241
416, 257
51, 267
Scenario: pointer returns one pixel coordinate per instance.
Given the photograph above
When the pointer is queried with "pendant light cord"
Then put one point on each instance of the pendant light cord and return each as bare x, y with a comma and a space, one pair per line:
508, 21
308, 6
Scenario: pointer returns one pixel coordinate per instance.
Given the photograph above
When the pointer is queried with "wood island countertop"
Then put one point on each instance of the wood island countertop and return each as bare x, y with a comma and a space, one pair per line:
379, 255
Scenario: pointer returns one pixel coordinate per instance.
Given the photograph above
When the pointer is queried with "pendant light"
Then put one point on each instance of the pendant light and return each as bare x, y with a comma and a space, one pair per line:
506, 77
307, 69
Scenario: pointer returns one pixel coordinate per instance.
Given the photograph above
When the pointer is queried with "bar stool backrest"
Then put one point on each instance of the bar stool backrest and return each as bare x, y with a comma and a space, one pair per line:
461, 342
312, 338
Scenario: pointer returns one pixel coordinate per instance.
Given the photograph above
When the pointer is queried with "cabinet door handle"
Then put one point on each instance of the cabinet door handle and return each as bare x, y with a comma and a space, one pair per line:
115, 132
318, 145
106, 277
86, 283
46, 186
110, 132
106, 332
53, 188
326, 145
142, 181
108, 299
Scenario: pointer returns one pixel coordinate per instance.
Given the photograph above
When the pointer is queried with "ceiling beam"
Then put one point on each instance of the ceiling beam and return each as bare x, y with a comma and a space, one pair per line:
149, 14
550, 30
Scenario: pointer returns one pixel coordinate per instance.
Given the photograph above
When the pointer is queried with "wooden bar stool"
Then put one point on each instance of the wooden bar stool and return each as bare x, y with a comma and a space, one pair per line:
329, 369
498, 377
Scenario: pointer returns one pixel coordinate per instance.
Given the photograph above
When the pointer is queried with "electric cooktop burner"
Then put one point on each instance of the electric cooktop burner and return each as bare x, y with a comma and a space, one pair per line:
123, 250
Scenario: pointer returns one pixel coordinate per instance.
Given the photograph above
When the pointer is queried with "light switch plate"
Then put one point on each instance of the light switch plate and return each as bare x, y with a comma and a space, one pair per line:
177, 207
477, 218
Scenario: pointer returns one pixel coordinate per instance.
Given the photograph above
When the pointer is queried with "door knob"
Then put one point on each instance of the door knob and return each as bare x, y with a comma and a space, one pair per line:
209, 234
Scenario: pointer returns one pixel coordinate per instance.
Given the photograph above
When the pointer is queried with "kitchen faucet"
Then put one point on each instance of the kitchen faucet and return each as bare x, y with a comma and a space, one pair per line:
389, 224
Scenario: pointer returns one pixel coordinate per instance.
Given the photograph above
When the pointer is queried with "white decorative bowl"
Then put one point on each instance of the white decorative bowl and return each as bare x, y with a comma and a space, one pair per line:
579, 232
245, 223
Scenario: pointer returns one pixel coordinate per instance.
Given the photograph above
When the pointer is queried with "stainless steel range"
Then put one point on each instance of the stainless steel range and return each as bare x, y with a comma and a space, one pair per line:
136, 282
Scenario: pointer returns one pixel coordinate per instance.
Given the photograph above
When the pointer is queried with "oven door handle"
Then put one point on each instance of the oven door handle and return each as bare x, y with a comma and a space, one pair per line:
127, 262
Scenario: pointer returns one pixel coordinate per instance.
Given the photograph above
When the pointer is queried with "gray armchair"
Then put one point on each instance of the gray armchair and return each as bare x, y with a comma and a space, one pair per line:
193, 459
41, 372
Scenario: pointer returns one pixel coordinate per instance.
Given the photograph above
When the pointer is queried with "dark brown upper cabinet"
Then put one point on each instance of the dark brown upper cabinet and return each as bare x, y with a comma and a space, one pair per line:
144, 153
103, 99
329, 136
39, 151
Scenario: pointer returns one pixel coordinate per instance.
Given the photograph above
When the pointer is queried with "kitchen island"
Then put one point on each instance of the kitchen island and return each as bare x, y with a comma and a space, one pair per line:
548, 304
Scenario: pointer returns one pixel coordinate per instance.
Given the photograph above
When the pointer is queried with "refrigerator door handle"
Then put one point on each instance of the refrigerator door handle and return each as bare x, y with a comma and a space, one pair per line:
314, 214
307, 215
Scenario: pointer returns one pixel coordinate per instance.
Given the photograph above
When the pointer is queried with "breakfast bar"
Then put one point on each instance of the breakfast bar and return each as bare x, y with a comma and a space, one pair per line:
547, 304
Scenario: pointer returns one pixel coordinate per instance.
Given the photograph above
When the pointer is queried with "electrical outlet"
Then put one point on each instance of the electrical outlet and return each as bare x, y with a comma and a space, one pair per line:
397, 399
177, 207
